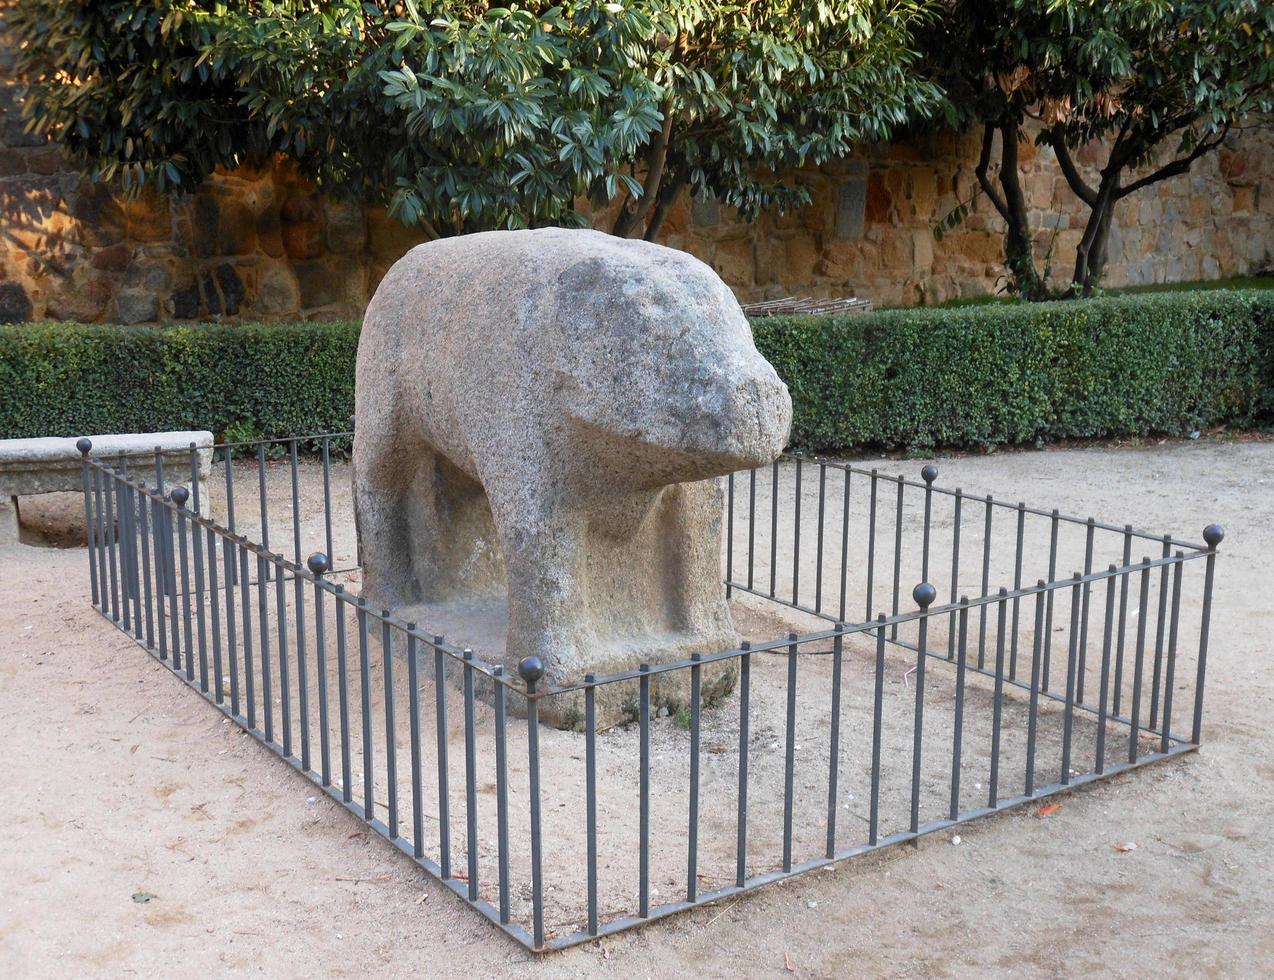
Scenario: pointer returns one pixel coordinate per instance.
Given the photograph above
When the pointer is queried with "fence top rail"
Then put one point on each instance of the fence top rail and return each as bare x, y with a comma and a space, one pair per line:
902, 480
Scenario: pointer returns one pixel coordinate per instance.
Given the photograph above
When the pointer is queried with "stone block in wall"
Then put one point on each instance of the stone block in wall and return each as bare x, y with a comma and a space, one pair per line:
387, 239
924, 192
98, 215
879, 202
85, 302
319, 283
922, 250
346, 228
302, 224
734, 262
851, 204
277, 291
136, 306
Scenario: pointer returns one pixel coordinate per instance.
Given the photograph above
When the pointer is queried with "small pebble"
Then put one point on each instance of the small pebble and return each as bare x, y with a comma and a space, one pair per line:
811, 904
955, 839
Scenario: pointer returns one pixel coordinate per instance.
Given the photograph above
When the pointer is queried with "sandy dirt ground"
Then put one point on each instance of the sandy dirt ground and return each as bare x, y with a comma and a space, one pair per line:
140, 832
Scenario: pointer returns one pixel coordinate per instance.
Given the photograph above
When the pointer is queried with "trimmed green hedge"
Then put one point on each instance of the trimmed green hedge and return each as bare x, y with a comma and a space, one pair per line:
1168, 363
241, 381
916, 379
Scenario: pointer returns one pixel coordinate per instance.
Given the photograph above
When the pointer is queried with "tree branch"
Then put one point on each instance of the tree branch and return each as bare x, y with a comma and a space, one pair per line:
1177, 167
1067, 164
634, 212
984, 161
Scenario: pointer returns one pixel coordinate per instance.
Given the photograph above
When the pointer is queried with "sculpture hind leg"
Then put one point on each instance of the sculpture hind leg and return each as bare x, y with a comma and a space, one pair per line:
382, 485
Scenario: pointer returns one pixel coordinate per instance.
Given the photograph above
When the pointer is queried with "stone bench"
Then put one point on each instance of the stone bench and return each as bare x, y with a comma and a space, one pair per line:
53, 464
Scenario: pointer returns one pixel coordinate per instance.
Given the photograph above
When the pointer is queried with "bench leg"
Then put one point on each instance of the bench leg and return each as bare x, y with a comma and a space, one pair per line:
8, 521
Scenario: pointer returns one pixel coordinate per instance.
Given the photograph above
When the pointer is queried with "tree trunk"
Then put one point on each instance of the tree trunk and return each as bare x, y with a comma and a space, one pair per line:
1090, 255
1010, 202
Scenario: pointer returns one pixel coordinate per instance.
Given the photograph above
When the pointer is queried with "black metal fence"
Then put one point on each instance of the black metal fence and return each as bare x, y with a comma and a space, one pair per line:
895, 709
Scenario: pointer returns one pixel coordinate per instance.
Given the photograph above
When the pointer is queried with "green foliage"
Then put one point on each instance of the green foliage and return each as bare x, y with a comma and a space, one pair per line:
917, 379
249, 381
1017, 373
464, 116
1159, 82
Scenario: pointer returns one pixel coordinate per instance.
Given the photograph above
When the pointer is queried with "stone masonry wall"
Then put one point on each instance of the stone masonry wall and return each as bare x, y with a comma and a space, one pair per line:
262, 244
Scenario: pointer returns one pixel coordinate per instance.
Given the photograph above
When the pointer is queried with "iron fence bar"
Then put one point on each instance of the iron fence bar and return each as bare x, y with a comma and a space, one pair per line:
193, 459
110, 543
997, 700
188, 651
201, 621
692, 830
1103, 690
955, 572
1123, 623
871, 547
1170, 669
214, 600
413, 722
1160, 623
984, 612
1033, 711
1081, 670
470, 778
229, 471
833, 765
245, 595
929, 474
85, 446
796, 534
319, 566
531, 670
957, 730
741, 833
327, 496
162, 591
818, 549
1072, 653
774, 527
1048, 608
789, 765
873, 825
729, 534
391, 740
590, 797
844, 549
365, 713
302, 678
1017, 587
293, 464
280, 626
100, 510
924, 594
751, 524
643, 777
342, 696
1138, 664
145, 504
440, 724
1213, 534
897, 557
502, 800
263, 627
265, 523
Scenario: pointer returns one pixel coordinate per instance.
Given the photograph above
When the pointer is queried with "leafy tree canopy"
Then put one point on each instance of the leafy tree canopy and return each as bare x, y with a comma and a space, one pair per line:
462, 115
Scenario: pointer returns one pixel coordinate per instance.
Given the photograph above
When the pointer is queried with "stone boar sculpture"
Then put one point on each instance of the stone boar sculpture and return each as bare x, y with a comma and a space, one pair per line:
545, 412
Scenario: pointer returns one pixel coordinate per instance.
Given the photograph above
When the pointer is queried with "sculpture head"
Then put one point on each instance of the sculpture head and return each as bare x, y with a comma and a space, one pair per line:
658, 361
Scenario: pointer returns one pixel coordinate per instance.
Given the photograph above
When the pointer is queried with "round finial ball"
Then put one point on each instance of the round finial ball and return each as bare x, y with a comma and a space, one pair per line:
531, 669
1213, 534
929, 473
84, 445
180, 496
317, 563
924, 594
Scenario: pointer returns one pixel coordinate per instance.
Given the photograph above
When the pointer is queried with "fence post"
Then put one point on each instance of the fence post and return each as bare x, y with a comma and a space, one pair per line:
531, 670
923, 594
85, 446
1213, 534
